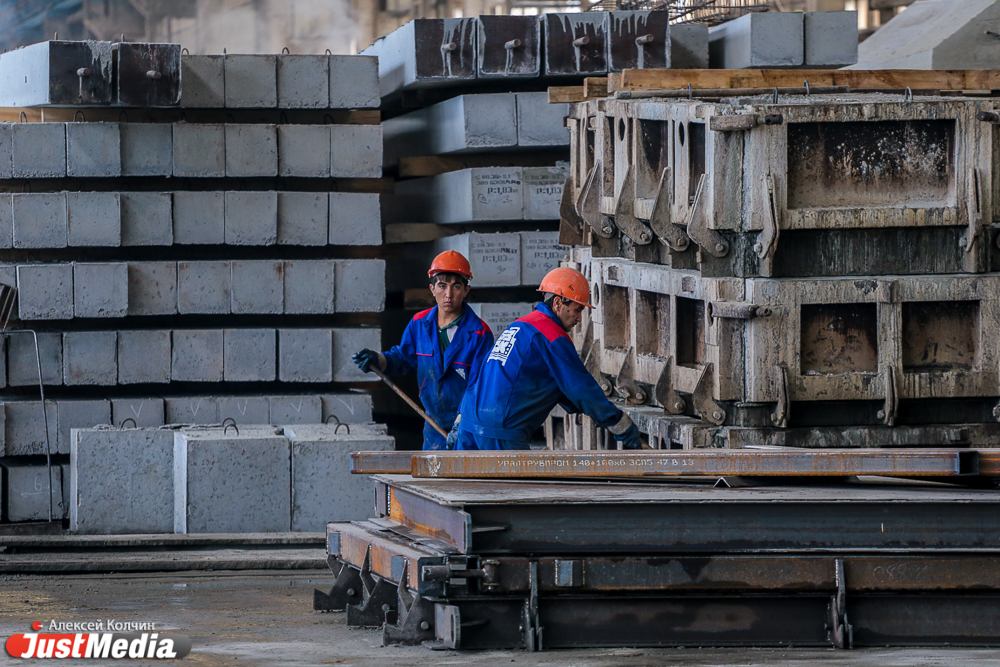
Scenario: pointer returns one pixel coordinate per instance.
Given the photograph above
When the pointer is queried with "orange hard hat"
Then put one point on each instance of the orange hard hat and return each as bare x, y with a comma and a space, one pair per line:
450, 262
567, 283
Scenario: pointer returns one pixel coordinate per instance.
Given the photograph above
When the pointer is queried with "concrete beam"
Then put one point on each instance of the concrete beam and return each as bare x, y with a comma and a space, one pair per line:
495, 258
204, 81
93, 219
249, 355
45, 292
141, 411
90, 358
93, 150
204, 288
197, 356
144, 357
251, 81
257, 286
309, 286
100, 290
152, 288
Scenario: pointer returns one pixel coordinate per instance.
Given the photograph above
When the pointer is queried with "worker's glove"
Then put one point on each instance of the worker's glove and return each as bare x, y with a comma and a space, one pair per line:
630, 438
366, 359
453, 434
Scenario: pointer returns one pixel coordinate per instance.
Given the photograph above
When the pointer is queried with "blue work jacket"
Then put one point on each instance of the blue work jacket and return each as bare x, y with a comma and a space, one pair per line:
443, 379
532, 367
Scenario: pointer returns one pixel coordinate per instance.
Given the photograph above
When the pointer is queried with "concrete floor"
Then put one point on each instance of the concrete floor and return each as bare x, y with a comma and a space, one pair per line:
266, 618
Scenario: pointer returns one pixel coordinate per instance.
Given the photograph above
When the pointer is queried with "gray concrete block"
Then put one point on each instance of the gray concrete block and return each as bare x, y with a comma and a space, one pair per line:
79, 414
90, 358
303, 82
6, 150
540, 123
354, 82
245, 409
24, 427
356, 151
305, 355
249, 355
689, 46
33, 491
258, 286
251, 150
197, 356
100, 290
231, 484
199, 150
147, 219
147, 149
199, 218
45, 291
38, 150
499, 315
355, 219
345, 343
770, 39
295, 409
303, 218
831, 39
136, 495
204, 287
310, 286
39, 220
203, 81
353, 408
22, 364
144, 357
251, 81
143, 411
152, 288
360, 285
93, 150
323, 488
93, 219
304, 151
468, 195
192, 410
331, 430
540, 253
7, 220
543, 188
251, 218
495, 259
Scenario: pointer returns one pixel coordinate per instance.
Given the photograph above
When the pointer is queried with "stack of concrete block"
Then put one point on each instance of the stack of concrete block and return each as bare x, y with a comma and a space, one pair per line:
812, 40
214, 479
507, 259
119, 230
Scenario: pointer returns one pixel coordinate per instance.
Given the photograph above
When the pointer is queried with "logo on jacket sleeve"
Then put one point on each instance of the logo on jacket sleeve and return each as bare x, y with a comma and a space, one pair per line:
505, 343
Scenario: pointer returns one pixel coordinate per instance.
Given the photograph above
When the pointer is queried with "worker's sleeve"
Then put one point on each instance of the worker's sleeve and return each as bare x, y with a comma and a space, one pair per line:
402, 358
482, 349
578, 386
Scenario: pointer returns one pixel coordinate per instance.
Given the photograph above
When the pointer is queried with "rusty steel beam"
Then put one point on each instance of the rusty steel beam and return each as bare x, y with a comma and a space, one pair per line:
381, 463
743, 463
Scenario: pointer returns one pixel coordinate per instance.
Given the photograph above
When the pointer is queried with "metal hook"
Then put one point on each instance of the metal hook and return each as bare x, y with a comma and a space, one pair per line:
27, 188
80, 114
121, 427
227, 421
806, 84
327, 119
285, 51
226, 428
774, 97
23, 118
329, 52
283, 118
337, 419
122, 115
230, 118
336, 429
908, 94
185, 52
690, 91
55, 36
123, 37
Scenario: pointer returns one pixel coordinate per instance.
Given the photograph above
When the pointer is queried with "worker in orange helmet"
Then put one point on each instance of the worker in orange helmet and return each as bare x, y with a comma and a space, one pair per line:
532, 367
444, 345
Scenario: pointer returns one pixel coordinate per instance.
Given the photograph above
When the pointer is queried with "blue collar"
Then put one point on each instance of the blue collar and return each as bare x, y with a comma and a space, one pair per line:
548, 312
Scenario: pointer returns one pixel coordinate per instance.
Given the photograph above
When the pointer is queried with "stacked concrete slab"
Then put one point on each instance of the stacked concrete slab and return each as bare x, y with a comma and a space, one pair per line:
210, 261
782, 284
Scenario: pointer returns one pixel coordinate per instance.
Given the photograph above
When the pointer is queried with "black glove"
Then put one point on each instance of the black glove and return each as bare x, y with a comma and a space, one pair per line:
453, 434
630, 438
365, 359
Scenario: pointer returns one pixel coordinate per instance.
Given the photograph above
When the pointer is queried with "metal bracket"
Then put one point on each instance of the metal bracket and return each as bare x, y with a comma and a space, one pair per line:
625, 218
588, 205
697, 225
781, 412
704, 403
767, 242
625, 385
593, 365
734, 123
415, 617
839, 630
730, 310
567, 210
888, 413
975, 212
665, 395
669, 233
346, 589
448, 626
379, 597
532, 630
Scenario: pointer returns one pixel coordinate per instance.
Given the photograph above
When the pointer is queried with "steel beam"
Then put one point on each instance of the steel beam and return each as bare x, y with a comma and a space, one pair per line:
718, 463
381, 463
